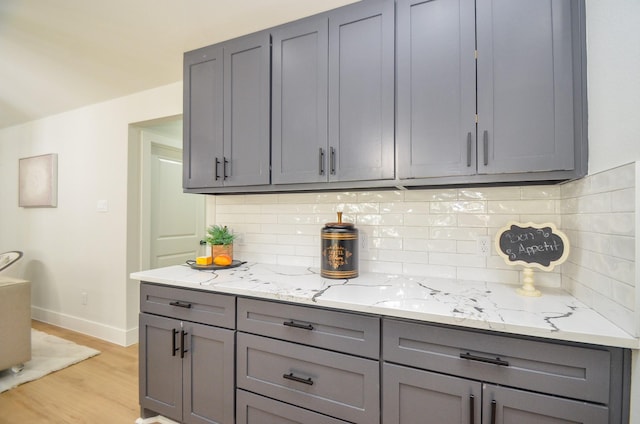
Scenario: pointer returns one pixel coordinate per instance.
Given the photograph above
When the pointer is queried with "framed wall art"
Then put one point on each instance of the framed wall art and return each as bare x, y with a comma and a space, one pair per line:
38, 181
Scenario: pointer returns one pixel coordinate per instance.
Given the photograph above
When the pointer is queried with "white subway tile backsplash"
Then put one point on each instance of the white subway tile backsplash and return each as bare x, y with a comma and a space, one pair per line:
381, 196
461, 207
623, 200
491, 193
541, 192
433, 232
432, 195
534, 207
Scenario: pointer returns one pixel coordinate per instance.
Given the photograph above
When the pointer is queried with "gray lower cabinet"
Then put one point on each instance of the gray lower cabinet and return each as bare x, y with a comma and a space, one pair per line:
308, 360
256, 409
413, 396
490, 88
186, 368
227, 113
289, 363
333, 96
442, 374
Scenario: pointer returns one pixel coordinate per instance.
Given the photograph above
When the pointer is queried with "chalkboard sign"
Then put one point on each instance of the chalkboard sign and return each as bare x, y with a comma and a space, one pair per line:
532, 245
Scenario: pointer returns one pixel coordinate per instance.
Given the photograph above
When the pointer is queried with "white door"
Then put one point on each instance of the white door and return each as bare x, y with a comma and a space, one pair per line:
177, 222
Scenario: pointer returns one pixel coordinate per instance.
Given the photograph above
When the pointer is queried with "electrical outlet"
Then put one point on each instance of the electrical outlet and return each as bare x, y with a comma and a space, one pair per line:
364, 241
84, 298
483, 246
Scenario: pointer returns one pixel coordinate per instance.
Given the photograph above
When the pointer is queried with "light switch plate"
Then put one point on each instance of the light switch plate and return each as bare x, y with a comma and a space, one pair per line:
102, 206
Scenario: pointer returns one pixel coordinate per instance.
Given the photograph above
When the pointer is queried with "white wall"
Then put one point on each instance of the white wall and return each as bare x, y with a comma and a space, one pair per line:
74, 248
613, 67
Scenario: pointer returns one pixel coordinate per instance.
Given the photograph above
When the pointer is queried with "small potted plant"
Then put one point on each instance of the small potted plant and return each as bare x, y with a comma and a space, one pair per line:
221, 240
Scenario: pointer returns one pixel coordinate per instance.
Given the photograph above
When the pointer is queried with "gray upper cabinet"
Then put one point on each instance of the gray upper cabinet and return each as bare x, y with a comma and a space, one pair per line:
299, 101
202, 122
226, 113
384, 93
436, 88
361, 92
524, 89
525, 86
333, 96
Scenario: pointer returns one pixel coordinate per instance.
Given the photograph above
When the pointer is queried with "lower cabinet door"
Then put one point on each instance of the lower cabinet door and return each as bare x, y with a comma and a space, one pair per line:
413, 396
509, 406
160, 366
255, 409
208, 375
186, 370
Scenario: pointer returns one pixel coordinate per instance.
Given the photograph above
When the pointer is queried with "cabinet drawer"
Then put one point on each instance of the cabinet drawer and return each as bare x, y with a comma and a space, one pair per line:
255, 409
189, 305
344, 332
571, 371
342, 386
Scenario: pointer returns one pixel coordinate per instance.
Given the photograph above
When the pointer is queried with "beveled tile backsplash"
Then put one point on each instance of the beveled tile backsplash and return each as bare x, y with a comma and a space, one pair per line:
434, 232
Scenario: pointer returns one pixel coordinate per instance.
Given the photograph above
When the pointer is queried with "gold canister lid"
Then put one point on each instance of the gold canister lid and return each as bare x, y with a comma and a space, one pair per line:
339, 224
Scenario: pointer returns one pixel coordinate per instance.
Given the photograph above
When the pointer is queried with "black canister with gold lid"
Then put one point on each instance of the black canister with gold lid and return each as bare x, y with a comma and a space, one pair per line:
339, 242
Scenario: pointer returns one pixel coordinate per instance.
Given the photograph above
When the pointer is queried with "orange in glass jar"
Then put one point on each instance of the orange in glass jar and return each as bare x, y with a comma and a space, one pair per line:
222, 260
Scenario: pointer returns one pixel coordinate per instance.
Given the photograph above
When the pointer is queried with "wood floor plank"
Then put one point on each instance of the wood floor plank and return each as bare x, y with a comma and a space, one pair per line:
101, 389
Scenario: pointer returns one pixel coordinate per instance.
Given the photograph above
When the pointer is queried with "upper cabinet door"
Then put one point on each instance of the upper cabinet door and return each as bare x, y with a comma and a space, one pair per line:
361, 92
247, 77
525, 86
299, 102
202, 143
436, 129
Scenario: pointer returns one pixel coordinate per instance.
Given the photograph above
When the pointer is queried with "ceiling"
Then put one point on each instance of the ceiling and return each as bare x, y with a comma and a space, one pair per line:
60, 55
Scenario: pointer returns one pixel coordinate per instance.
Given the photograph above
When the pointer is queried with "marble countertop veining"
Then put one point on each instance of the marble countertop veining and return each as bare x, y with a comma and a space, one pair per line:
489, 306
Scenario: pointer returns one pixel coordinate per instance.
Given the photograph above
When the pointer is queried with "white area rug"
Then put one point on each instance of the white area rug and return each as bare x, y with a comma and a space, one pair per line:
48, 354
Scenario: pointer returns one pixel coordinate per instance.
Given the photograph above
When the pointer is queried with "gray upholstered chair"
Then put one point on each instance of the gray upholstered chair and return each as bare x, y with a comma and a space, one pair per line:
15, 317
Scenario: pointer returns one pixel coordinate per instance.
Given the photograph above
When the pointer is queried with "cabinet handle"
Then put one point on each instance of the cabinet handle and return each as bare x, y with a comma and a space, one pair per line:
217, 163
183, 334
493, 412
321, 161
472, 415
485, 143
496, 361
180, 304
292, 377
332, 161
298, 325
174, 348
224, 168
468, 149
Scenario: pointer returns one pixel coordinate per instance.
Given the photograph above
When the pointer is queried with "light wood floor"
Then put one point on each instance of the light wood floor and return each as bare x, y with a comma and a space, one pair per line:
102, 389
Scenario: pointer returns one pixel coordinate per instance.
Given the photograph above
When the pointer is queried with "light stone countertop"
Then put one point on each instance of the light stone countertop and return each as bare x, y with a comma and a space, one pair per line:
489, 306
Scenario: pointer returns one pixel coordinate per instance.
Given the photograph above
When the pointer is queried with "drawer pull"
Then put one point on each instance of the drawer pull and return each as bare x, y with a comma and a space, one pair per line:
298, 325
496, 361
292, 377
180, 304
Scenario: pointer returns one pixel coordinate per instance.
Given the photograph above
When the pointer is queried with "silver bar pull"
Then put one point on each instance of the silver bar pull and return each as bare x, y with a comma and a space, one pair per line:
332, 161
321, 161
468, 149
485, 142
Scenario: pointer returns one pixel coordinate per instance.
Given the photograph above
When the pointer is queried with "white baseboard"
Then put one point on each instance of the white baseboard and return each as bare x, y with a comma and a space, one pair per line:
91, 328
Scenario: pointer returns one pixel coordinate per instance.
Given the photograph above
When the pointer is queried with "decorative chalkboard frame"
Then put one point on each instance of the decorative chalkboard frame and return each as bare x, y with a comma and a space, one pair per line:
541, 246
